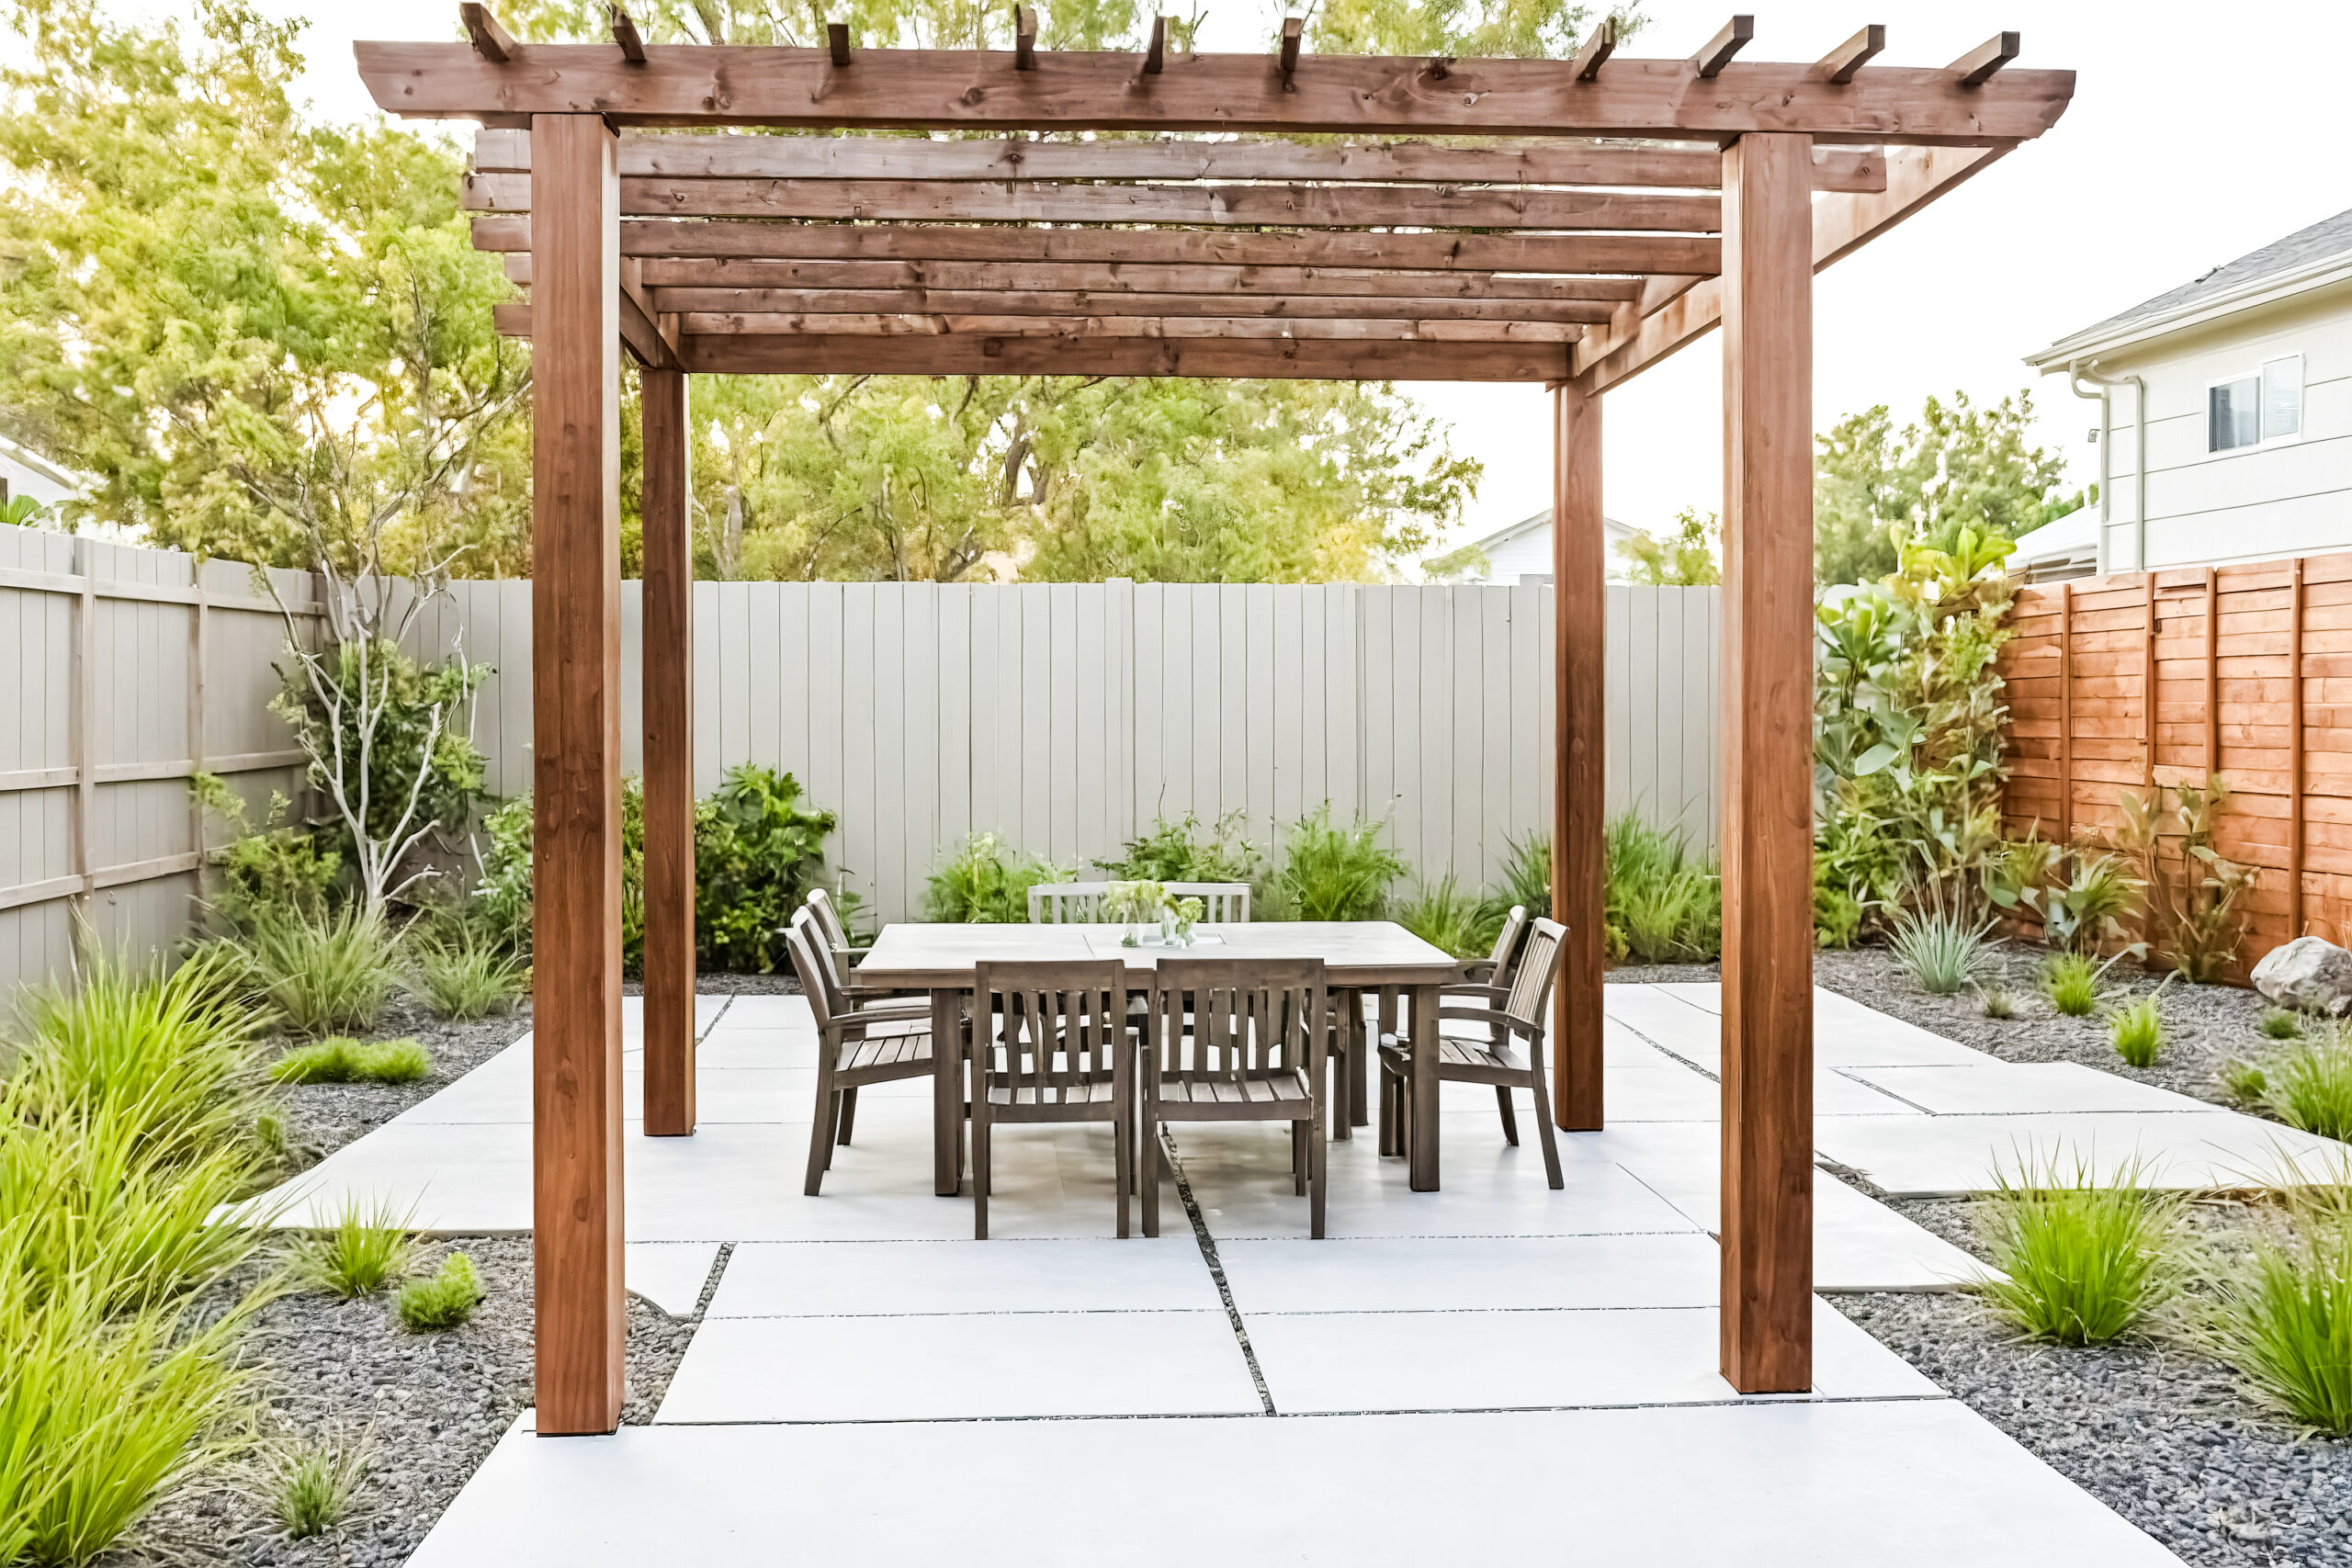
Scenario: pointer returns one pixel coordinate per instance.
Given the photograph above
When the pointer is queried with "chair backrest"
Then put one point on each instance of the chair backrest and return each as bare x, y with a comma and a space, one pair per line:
1062, 1024
1530, 986
1506, 943
1227, 1019
828, 919
820, 979
1064, 903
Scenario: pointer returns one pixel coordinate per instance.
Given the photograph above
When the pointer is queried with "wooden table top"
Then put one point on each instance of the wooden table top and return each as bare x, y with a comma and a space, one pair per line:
1357, 953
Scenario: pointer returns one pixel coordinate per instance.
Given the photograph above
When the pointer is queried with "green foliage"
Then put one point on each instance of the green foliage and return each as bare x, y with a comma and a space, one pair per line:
2244, 1081
365, 1250
983, 881
2137, 1028
2087, 1263
1445, 917
334, 971
2086, 898
2196, 922
1331, 871
344, 1060
1690, 556
271, 872
759, 848
1527, 877
1180, 849
443, 1301
467, 976
1837, 914
502, 900
1959, 467
1661, 903
2308, 1084
2283, 1318
2071, 982
1943, 949
312, 1485
2279, 1023
1997, 1000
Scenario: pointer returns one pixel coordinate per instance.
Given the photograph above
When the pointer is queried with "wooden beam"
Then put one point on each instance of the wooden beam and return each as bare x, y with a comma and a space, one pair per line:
1767, 739
784, 324
1073, 302
1599, 45
1840, 63
1978, 65
1710, 61
1025, 38
967, 90
659, 155
1288, 358
1667, 254
1155, 56
1205, 205
1363, 285
1841, 225
625, 34
490, 41
667, 703
575, 728
1580, 779
641, 325
1293, 36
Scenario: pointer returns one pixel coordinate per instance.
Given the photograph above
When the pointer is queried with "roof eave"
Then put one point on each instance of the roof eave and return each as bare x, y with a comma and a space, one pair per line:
2261, 291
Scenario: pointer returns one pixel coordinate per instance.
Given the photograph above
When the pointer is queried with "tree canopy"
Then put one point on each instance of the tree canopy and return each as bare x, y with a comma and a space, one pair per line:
1958, 467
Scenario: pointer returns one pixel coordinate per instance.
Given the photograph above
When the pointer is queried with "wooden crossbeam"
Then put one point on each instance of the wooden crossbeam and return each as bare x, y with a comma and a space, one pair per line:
656, 156
1977, 66
514, 320
1105, 279
1669, 253
1075, 303
1710, 61
837, 44
1025, 38
1840, 63
625, 34
1354, 94
1155, 57
1599, 45
1293, 36
490, 41
1254, 206
1290, 359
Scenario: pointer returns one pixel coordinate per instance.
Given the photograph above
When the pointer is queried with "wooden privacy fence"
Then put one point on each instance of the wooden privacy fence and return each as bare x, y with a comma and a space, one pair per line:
131, 670
2251, 671
1067, 717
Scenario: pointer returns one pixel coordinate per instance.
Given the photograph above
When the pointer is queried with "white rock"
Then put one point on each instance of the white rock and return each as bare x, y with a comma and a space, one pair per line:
2309, 974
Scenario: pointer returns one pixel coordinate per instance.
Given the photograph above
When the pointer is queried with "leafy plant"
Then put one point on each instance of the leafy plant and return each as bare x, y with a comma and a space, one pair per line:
2279, 1023
1943, 949
2310, 1084
2195, 919
1178, 851
2137, 1029
2086, 1262
443, 1301
1527, 877
2093, 905
334, 971
2071, 982
1440, 914
1660, 902
275, 872
344, 1060
466, 975
1332, 872
502, 900
758, 847
2280, 1310
984, 883
1689, 557
313, 1484
1836, 913
362, 1252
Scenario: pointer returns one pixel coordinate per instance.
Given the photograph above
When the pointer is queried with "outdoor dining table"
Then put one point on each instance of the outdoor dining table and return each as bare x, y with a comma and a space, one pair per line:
1359, 956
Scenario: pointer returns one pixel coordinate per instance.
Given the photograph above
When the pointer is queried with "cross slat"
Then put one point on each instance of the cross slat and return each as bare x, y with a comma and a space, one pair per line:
1075, 303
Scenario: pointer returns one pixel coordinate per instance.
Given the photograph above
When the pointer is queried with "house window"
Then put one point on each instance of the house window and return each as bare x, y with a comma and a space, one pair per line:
2247, 410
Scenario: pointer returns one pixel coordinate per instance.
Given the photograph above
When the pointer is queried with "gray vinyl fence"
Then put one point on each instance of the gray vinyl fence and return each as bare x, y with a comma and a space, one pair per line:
1063, 717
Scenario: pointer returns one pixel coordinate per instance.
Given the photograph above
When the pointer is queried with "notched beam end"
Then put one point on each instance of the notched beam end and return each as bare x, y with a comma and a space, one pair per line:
1710, 61
491, 41
1293, 36
1598, 47
1978, 65
1155, 59
1025, 38
837, 42
625, 33
1840, 63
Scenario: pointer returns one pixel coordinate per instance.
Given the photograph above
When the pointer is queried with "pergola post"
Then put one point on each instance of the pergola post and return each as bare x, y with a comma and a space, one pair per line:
1578, 651
1766, 729
575, 732
668, 704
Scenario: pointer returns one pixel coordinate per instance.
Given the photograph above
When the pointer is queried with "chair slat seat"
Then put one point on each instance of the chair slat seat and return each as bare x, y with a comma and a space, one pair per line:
1203, 1094
1459, 1059
1045, 1097
890, 1051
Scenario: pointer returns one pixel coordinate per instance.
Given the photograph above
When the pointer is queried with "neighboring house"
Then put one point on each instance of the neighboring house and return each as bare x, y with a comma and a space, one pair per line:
1521, 551
2225, 419
26, 472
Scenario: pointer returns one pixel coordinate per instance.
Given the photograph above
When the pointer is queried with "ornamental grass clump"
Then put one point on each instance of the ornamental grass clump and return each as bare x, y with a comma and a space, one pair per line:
331, 972
2137, 1029
1440, 914
2308, 1084
340, 1059
442, 1302
1332, 872
1661, 902
365, 1249
2071, 982
1943, 948
2280, 1310
313, 1484
1997, 1000
467, 977
2086, 1263
2279, 1023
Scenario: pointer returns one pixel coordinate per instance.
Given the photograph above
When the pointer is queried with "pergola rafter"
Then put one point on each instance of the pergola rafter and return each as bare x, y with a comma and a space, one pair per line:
1578, 221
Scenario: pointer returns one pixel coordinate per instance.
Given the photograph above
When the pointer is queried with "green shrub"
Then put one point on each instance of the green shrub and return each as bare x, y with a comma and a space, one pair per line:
2279, 1023
759, 848
1943, 949
1178, 851
2085, 1264
364, 1250
2137, 1028
1836, 916
502, 900
2092, 905
340, 1059
984, 883
313, 1484
1332, 872
465, 976
443, 1301
332, 972
1440, 914
2310, 1085
271, 873
1660, 902
2071, 982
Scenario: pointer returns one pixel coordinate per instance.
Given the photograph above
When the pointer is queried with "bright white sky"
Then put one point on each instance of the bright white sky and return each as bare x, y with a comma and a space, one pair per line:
2195, 136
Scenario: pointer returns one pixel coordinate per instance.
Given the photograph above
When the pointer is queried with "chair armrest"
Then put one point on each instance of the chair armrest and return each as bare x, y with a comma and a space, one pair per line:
1467, 988
1482, 1015
1477, 971
866, 1016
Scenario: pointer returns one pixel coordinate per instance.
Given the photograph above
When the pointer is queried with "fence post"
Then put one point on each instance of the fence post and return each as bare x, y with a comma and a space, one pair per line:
2295, 752
197, 618
2213, 672
2065, 713
81, 726
2148, 677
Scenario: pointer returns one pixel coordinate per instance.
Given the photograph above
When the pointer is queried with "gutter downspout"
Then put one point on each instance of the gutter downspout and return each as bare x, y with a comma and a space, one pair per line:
2076, 376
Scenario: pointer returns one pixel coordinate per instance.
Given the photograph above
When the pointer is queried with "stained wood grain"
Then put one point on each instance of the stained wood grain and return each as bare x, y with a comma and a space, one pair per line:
1579, 569
668, 708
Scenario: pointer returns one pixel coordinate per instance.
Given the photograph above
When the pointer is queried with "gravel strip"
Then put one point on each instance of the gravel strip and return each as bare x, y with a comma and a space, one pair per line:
321, 1118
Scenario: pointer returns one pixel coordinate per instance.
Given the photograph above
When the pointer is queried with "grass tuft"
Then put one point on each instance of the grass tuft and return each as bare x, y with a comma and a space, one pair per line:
1440, 914
340, 1059
2085, 1264
334, 972
443, 1301
364, 1251
1998, 1000
1662, 902
468, 977
313, 1484
2137, 1028
1943, 949
2244, 1081
2071, 982
2310, 1084
2279, 1023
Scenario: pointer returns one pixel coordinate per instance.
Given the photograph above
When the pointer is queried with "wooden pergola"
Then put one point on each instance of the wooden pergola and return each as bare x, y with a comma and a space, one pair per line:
1581, 220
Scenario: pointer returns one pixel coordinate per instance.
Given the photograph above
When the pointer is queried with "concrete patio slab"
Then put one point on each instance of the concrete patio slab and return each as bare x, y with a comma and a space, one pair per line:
1926, 1484
1951, 1155
845, 1279
670, 1274
961, 1367
1362, 1361
1460, 1274
1845, 1032
2009, 1088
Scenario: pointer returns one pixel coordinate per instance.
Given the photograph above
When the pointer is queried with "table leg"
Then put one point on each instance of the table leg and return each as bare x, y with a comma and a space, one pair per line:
947, 1092
1425, 1089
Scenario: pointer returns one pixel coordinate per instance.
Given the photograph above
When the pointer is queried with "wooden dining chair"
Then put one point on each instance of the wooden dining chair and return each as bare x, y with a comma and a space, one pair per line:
1065, 903
1236, 1040
1482, 1031
1051, 1044
855, 1046
844, 953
